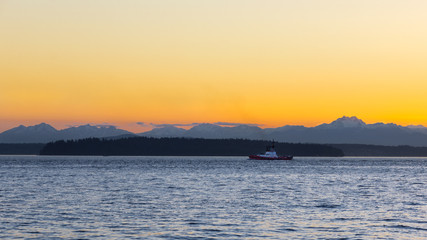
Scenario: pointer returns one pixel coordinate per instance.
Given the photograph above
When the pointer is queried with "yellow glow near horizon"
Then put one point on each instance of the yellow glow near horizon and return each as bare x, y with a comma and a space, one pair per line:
273, 63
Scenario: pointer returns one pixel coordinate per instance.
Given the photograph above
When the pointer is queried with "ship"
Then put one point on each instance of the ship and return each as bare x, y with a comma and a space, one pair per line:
270, 154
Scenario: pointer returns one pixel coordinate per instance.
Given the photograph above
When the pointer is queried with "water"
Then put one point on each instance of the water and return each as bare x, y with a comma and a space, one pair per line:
212, 197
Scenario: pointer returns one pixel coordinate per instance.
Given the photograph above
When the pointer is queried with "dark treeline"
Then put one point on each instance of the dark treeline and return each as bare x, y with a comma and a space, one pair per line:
21, 148
381, 151
201, 147
143, 146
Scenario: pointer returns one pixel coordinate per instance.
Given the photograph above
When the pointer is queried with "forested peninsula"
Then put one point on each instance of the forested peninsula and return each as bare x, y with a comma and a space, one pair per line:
144, 146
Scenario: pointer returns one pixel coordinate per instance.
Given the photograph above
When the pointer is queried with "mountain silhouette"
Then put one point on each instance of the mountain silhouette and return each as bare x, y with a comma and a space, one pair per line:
350, 130
43, 133
40, 133
344, 130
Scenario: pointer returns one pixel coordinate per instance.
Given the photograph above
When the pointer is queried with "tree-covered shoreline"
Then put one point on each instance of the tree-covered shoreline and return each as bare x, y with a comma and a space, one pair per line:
144, 146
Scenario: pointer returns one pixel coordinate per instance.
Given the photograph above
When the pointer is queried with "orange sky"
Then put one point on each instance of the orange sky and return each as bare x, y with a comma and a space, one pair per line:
268, 62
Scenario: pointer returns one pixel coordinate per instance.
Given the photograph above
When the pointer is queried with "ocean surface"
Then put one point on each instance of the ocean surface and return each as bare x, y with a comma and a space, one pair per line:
52, 197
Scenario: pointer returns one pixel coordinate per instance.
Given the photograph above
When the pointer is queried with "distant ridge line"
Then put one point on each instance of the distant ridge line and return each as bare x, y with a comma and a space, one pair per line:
344, 130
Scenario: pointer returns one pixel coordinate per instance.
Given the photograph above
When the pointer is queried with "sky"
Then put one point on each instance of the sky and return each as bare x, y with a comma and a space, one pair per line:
273, 62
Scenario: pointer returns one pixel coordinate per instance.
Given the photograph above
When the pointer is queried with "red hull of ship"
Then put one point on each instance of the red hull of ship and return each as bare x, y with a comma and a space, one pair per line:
256, 157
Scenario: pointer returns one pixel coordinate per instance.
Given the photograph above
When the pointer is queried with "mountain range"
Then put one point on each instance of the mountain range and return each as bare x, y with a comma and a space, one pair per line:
349, 130
43, 133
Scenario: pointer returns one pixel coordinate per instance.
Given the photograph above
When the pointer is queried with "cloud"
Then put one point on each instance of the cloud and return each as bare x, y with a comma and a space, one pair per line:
142, 124
101, 125
237, 124
72, 125
196, 124
105, 125
174, 125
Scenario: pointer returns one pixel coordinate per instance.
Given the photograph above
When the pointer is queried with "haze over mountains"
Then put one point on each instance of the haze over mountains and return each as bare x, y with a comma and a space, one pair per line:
343, 130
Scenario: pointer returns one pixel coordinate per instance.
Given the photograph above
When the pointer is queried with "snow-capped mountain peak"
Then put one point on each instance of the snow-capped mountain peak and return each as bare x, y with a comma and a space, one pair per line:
345, 122
42, 127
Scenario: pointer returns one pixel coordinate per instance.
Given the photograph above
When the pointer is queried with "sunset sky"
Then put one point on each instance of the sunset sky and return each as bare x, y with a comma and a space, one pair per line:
273, 62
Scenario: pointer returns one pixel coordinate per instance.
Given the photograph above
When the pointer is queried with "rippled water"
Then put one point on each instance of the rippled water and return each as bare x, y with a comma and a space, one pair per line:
212, 197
